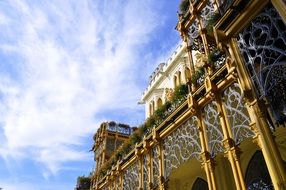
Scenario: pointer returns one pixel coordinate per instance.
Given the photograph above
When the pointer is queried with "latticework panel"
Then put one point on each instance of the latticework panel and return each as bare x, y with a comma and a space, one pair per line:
194, 31
207, 12
263, 46
112, 186
237, 113
182, 145
131, 177
155, 163
118, 183
100, 148
213, 128
145, 171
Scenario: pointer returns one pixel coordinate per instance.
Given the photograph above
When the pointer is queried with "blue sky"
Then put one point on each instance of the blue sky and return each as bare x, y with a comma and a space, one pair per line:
65, 67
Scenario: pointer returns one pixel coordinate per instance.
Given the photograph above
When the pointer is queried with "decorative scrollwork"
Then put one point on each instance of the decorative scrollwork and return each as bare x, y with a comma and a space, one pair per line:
263, 46
206, 12
131, 177
112, 186
213, 128
237, 113
155, 153
145, 172
118, 183
182, 145
194, 31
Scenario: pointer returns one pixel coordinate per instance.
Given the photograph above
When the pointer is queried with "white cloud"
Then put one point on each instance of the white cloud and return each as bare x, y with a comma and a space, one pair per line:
76, 60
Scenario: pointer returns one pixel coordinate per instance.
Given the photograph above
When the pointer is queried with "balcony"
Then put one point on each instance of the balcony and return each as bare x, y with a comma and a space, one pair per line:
172, 120
209, 120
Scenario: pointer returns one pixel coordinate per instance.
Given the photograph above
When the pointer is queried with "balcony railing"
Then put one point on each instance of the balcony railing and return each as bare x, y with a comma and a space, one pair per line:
162, 118
181, 142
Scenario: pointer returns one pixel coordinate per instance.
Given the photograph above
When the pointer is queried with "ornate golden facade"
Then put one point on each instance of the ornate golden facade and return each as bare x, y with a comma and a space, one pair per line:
230, 131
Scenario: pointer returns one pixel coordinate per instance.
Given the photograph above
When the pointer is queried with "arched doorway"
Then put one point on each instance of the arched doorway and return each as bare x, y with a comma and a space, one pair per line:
257, 176
200, 184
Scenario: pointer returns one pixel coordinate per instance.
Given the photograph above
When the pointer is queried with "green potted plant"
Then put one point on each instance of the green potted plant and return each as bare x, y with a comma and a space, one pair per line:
184, 6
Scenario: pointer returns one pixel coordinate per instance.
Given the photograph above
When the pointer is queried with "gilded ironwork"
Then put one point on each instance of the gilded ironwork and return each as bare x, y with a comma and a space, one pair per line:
237, 114
145, 172
194, 31
213, 128
207, 12
263, 46
155, 153
118, 184
131, 177
182, 145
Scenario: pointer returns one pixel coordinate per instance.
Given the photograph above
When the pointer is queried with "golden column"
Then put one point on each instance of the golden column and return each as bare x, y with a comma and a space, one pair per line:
259, 124
232, 151
207, 162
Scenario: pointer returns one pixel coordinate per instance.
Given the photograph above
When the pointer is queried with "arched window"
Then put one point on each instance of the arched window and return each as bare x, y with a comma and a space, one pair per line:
257, 176
175, 81
150, 109
200, 184
179, 78
188, 74
159, 103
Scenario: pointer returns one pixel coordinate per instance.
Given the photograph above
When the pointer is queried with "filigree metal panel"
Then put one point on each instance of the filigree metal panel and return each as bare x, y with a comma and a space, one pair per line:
131, 177
118, 184
145, 171
263, 46
213, 128
237, 113
207, 12
182, 145
112, 186
155, 164
100, 148
194, 30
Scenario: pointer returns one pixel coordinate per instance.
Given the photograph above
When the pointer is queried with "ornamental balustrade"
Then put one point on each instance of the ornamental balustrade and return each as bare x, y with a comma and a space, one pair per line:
184, 144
